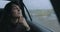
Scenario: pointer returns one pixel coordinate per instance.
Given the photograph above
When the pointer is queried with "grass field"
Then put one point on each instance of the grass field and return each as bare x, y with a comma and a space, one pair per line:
46, 18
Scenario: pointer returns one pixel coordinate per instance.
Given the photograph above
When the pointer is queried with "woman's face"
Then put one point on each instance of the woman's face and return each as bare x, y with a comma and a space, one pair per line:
16, 11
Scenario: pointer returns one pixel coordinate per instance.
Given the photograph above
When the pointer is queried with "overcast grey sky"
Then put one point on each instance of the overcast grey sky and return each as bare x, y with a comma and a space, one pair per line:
32, 4
3, 3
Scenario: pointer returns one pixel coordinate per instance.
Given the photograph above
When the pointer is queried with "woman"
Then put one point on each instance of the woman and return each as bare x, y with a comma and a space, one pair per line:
14, 18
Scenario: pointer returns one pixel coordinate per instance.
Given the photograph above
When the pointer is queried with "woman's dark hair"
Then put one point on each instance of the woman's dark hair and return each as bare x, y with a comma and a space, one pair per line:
8, 7
7, 10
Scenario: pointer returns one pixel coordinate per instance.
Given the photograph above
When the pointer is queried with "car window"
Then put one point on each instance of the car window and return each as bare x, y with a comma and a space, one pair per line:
3, 3
42, 13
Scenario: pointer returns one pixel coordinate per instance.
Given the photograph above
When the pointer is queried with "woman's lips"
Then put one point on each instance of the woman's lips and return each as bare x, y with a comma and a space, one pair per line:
18, 13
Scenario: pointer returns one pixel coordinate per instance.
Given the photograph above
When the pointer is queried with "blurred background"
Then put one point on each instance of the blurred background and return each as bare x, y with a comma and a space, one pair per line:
42, 13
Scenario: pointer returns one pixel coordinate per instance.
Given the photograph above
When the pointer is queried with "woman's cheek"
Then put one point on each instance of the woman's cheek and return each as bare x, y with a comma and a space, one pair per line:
14, 13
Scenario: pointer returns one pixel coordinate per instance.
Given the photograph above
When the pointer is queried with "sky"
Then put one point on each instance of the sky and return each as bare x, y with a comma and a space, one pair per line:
32, 4
3, 3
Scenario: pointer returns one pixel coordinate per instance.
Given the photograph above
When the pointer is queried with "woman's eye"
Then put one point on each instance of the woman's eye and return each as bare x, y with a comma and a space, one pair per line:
18, 10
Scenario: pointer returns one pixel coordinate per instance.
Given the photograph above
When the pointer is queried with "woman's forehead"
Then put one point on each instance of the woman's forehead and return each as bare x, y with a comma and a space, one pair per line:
16, 6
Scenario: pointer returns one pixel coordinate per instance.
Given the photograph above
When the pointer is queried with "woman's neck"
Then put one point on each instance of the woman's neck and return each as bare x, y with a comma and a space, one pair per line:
14, 20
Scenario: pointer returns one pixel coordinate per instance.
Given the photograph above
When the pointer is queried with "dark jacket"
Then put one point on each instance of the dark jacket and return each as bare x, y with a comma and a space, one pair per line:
12, 28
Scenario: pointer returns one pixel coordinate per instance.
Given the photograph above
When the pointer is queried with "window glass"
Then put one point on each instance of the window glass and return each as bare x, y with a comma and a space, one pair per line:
3, 3
42, 13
